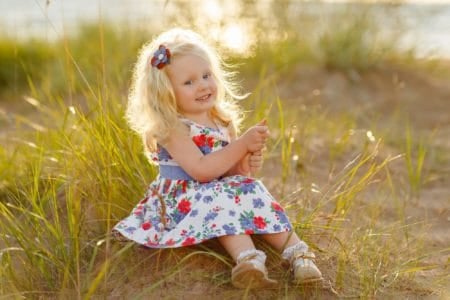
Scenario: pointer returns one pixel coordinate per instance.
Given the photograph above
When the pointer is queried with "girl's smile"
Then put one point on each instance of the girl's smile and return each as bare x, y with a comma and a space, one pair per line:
204, 98
194, 85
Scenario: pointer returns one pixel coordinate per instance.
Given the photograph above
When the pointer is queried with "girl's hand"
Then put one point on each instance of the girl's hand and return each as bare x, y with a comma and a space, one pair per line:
251, 162
255, 137
255, 161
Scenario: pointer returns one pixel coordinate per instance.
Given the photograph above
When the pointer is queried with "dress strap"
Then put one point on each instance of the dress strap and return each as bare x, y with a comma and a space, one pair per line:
221, 132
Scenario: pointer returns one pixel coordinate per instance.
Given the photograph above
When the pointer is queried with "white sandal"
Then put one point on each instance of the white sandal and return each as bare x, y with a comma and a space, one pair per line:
250, 271
305, 270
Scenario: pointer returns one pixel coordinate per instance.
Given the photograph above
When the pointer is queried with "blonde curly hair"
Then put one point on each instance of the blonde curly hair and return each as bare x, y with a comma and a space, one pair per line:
152, 109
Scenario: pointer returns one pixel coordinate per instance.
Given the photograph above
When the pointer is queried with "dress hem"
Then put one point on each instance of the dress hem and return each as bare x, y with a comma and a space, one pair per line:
124, 238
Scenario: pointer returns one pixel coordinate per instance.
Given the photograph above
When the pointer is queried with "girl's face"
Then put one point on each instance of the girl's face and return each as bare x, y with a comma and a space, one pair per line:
194, 85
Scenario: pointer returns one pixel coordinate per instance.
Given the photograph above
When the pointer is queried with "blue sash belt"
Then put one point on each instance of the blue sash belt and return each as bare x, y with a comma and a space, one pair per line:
173, 172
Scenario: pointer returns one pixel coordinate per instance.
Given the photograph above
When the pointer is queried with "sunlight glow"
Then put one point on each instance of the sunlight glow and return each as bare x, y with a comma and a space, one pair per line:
315, 188
235, 38
212, 10
370, 136
32, 101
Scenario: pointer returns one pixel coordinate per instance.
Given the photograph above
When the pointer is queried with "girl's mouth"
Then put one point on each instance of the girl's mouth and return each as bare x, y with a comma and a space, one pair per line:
204, 98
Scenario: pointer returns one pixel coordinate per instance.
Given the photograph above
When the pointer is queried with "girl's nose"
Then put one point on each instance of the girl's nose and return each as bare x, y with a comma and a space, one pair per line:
203, 85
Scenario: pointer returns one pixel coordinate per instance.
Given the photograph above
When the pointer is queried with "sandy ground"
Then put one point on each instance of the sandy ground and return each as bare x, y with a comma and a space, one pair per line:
388, 95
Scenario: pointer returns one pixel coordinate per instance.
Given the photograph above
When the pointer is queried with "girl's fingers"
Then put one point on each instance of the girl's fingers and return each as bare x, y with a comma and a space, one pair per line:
255, 161
263, 122
262, 129
255, 166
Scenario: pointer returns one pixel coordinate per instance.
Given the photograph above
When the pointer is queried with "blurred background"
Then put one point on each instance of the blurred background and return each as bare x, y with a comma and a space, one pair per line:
424, 24
357, 98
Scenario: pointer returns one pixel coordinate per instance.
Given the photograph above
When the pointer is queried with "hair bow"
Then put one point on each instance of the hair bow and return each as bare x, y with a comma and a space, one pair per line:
161, 57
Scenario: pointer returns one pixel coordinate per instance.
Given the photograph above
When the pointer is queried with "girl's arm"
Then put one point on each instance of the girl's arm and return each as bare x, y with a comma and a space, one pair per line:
251, 163
205, 168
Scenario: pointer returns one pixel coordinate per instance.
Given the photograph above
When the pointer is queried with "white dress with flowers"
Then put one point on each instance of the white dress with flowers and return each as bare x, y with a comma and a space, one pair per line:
178, 211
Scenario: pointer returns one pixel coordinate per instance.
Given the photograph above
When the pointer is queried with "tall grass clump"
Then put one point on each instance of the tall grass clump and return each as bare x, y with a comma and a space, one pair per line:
415, 154
77, 179
65, 185
98, 55
358, 43
22, 62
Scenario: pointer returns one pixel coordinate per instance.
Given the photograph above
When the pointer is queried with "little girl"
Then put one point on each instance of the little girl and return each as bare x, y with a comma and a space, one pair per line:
182, 103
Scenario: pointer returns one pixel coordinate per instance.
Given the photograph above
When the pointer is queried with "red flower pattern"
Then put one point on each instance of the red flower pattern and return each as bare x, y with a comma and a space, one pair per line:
202, 140
259, 222
210, 141
170, 242
248, 180
277, 206
188, 241
138, 210
184, 186
199, 140
184, 206
146, 225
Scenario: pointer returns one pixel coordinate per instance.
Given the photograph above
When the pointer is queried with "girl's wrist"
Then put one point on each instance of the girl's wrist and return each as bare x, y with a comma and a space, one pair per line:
242, 143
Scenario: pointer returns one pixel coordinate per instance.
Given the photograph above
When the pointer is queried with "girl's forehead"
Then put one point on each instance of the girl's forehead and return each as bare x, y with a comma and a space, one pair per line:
188, 59
188, 63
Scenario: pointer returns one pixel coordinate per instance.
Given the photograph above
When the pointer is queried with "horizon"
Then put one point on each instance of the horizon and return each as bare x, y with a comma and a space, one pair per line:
21, 20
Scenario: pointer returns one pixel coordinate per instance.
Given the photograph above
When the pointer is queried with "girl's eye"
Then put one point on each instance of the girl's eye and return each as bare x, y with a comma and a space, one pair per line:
207, 75
189, 82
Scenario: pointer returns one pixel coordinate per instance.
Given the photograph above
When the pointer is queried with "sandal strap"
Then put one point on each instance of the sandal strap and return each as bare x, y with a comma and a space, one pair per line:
302, 259
291, 250
303, 255
248, 257
251, 254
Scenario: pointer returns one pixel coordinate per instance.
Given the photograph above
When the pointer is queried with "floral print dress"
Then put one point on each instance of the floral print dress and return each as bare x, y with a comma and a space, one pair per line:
179, 211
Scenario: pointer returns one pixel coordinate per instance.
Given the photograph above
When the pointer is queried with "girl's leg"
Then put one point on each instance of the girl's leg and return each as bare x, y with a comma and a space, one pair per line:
282, 240
236, 244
